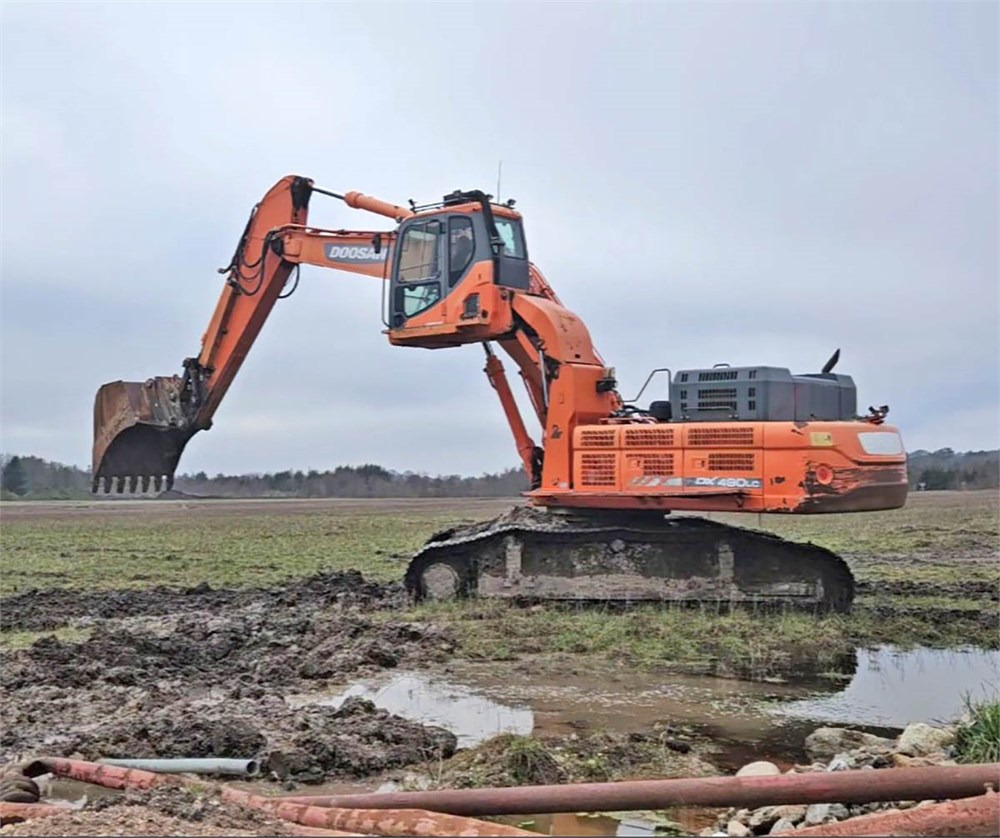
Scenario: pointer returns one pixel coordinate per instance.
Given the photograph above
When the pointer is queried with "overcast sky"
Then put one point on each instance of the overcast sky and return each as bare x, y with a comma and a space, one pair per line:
701, 182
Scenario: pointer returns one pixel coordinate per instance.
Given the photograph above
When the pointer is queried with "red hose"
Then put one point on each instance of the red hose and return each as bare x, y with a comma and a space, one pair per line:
403, 822
975, 816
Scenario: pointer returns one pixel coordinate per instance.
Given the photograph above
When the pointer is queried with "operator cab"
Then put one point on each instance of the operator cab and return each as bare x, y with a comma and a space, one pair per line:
465, 237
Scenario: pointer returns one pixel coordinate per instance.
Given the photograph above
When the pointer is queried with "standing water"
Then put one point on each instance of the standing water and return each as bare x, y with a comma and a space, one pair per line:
893, 687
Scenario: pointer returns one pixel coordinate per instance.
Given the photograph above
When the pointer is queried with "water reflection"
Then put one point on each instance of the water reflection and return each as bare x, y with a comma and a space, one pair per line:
893, 687
889, 688
472, 717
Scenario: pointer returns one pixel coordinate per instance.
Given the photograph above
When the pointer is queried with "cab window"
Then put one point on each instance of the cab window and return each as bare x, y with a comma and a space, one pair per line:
415, 298
511, 235
461, 247
418, 251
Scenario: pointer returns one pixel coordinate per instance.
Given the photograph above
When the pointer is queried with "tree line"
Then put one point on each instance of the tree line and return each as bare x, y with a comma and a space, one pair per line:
33, 478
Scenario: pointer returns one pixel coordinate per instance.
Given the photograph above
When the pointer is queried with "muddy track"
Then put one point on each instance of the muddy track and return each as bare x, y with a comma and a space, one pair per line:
36, 610
971, 589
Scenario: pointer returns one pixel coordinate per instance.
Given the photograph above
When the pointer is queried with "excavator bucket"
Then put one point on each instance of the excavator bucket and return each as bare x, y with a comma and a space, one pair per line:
140, 430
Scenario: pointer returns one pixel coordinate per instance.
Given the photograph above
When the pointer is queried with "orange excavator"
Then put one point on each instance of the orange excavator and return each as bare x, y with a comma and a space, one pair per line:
605, 473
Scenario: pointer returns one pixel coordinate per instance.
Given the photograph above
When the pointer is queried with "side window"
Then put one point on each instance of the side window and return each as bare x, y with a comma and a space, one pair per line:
461, 246
418, 251
513, 238
413, 299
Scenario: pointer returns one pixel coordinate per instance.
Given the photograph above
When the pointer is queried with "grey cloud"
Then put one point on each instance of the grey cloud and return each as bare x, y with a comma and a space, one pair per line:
701, 182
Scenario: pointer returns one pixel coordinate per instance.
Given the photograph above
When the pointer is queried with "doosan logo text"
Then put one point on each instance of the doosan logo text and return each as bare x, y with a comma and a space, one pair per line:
358, 254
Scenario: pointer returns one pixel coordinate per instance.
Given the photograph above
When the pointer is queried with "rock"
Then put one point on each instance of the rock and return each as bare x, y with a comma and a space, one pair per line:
839, 812
841, 762
758, 769
792, 812
765, 817
782, 825
740, 830
903, 761
921, 740
827, 742
817, 814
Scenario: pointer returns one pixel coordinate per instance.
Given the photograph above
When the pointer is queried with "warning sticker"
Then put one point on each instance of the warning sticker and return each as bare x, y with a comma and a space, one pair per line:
821, 438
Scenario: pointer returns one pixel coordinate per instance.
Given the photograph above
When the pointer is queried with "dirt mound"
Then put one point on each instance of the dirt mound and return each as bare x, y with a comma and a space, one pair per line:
240, 651
304, 744
358, 739
35, 610
508, 760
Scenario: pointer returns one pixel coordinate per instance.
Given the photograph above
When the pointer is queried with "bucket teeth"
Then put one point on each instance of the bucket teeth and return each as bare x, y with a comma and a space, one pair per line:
131, 484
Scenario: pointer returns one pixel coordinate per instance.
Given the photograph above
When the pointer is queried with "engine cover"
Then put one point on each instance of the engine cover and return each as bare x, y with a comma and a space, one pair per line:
763, 394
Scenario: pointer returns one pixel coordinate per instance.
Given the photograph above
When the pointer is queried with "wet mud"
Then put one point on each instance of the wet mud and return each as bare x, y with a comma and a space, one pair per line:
205, 673
39, 610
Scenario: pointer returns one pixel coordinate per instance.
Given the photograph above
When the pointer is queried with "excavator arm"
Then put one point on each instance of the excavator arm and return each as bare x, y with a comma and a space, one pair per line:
141, 428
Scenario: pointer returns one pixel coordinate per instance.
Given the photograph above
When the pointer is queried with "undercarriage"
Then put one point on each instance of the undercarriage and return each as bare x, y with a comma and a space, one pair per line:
532, 554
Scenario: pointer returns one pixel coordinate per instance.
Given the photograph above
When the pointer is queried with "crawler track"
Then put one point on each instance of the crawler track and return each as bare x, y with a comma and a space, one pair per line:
533, 555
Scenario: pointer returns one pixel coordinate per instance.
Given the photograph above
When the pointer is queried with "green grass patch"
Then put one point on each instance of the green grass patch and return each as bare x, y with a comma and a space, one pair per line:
145, 549
679, 638
649, 637
978, 738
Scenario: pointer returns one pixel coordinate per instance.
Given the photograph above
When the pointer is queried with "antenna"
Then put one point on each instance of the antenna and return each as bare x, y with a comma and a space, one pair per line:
499, 172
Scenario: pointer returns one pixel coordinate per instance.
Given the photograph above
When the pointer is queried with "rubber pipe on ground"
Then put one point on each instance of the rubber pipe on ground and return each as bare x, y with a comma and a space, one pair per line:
975, 816
231, 767
936, 782
391, 822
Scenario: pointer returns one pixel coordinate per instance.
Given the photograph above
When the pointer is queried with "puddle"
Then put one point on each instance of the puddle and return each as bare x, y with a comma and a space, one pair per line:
565, 823
889, 688
892, 687
472, 717
691, 819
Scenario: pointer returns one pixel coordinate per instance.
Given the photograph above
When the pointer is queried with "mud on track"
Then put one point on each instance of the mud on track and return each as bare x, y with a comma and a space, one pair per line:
204, 673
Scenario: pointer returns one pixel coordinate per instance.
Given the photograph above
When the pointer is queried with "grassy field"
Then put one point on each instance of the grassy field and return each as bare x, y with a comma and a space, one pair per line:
927, 573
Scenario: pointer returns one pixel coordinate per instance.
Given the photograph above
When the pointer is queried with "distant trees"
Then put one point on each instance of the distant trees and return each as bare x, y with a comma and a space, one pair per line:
12, 478
947, 469
364, 481
27, 476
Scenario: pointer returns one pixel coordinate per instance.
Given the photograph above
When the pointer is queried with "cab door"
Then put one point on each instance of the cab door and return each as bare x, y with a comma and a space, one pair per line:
420, 276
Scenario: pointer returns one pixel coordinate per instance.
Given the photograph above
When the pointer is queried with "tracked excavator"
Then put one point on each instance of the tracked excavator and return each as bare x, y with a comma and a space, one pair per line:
606, 473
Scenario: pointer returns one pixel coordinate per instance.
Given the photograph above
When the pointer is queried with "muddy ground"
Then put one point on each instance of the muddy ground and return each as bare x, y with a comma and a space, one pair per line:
205, 673
200, 672
110, 652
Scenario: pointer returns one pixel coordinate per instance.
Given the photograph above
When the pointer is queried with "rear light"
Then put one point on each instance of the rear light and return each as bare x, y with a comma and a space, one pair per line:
824, 475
